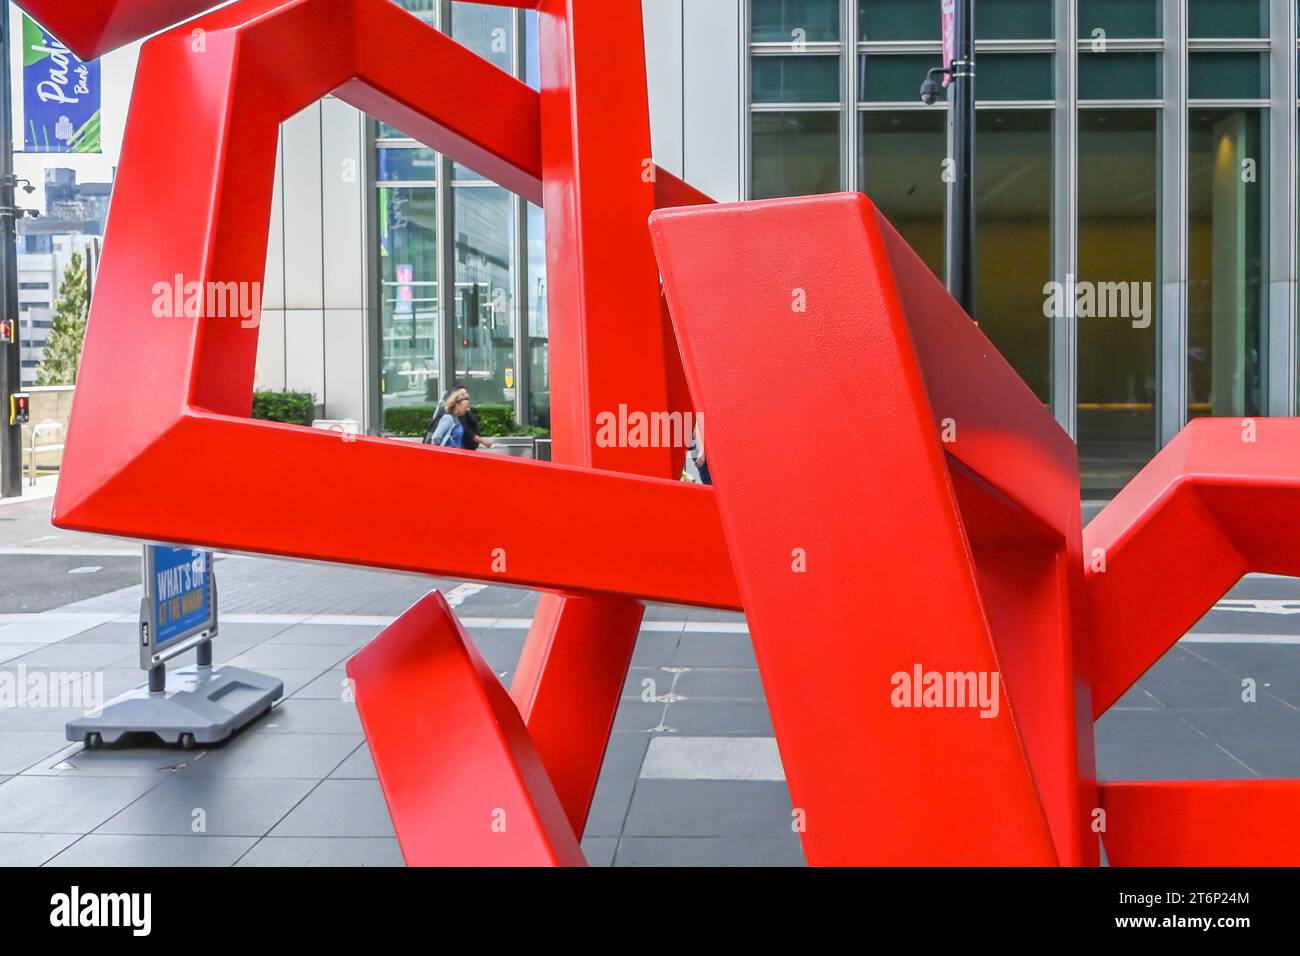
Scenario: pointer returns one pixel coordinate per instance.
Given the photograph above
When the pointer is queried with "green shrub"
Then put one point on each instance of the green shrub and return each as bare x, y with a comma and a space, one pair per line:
495, 420
293, 408
409, 421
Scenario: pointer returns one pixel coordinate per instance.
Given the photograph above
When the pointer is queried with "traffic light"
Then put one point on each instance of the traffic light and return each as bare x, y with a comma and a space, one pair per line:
6, 331
20, 409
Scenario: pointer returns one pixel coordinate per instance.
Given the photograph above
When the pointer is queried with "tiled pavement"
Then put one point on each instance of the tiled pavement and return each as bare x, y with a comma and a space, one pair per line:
692, 775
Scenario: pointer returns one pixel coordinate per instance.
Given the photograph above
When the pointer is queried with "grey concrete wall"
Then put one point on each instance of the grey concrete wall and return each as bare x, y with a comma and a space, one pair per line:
693, 54
316, 308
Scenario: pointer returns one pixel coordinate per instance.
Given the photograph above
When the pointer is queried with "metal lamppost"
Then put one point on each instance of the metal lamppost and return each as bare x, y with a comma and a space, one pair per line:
10, 356
959, 69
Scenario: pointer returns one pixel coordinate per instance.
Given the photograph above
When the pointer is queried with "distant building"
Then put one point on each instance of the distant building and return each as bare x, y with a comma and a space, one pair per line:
72, 222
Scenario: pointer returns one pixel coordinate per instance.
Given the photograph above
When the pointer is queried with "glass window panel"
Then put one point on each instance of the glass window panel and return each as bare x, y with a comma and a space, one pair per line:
484, 300
1232, 19
1115, 298
1222, 76
894, 77
1120, 19
898, 20
539, 369
1013, 190
465, 174
795, 154
900, 167
418, 164
778, 21
488, 31
796, 79
532, 61
1119, 75
1013, 19
1014, 76
384, 131
424, 9
1226, 263
408, 262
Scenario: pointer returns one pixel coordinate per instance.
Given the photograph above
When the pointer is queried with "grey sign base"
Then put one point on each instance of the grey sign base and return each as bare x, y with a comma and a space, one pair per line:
201, 705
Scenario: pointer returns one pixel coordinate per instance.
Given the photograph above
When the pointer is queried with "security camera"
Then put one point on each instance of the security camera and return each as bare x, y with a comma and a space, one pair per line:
930, 88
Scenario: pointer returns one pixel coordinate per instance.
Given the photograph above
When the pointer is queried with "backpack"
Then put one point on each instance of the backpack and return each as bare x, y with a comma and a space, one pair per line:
437, 417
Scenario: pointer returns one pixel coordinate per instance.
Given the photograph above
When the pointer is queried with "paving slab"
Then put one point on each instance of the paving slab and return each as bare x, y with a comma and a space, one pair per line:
1183, 678
33, 849
1266, 739
709, 851
110, 850
703, 808
86, 657
713, 758
711, 683
690, 717
34, 804
268, 656
324, 851
699, 649
351, 636
331, 685
624, 755
1169, 761
599, 851
609, 807
304, 716
11, 652
294, 756
21, 749
349, 808
210, 806
74, 760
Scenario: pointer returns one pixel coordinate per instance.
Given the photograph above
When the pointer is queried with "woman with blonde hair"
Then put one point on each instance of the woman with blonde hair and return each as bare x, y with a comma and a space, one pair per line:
450, 432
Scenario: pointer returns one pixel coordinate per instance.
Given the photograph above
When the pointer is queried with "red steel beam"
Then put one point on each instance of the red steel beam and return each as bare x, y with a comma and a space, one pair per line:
462, 780
610, 346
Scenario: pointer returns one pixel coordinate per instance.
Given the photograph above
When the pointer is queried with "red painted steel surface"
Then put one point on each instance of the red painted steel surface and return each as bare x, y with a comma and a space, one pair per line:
186, 397
1222, 499
91, 28
463, 782
943, 491
1202, 822
808, 516
609, 344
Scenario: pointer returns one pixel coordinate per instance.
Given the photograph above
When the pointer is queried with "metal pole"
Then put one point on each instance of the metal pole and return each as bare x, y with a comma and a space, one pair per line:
10, 365
961, 204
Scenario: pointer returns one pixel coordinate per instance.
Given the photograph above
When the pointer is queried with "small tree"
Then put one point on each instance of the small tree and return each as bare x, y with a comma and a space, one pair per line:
68, 331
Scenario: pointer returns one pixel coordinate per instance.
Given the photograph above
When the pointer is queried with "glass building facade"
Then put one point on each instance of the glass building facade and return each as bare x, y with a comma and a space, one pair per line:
1135, 185
462, 266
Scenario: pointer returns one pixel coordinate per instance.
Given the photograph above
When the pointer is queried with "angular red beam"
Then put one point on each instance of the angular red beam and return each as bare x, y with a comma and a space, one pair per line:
807, 517
1219, 501
611, 347
1202, 822
463, 783
185, 400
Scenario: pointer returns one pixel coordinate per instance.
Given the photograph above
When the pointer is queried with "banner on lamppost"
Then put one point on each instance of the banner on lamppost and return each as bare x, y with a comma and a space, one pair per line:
60, 95
948, 20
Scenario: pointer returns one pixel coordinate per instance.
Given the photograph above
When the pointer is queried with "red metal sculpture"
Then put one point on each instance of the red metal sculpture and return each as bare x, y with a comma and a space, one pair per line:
956, 509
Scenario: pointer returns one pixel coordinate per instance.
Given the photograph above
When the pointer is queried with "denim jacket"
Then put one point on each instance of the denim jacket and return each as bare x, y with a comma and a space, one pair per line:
450, 432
